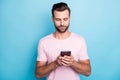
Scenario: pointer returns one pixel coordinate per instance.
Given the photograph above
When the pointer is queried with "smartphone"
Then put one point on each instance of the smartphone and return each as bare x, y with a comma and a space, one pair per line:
67, 53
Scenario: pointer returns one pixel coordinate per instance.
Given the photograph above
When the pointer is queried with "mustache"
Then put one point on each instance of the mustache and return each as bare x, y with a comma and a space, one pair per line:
62, 26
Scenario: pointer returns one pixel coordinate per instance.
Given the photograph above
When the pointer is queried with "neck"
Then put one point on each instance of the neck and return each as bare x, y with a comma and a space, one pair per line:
64, 35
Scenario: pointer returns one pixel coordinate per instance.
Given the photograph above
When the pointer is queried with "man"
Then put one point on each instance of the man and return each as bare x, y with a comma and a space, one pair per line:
62, 55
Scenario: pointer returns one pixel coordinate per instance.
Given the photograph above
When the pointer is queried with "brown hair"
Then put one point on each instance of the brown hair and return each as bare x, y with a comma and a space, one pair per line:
60, 7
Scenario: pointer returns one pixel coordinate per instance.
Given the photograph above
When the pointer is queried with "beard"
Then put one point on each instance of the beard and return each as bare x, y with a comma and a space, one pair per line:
62, 28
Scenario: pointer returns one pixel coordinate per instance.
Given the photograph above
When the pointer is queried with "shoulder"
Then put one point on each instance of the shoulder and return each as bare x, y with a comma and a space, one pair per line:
77, 36
46, 38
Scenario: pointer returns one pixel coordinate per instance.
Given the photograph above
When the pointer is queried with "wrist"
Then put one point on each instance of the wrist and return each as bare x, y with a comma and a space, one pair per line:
55, 64
73, 63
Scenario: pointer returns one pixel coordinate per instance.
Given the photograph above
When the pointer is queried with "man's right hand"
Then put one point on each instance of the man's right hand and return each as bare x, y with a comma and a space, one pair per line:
59, 61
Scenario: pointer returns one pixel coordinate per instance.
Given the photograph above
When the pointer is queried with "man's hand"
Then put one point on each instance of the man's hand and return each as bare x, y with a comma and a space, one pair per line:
82, 67
67, 60
59, 61
64, 61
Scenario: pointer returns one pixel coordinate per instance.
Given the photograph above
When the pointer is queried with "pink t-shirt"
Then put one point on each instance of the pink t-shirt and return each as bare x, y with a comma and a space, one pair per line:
49, 48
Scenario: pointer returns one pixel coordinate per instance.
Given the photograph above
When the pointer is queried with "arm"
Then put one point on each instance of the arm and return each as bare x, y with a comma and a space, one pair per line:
82, 67
42, 69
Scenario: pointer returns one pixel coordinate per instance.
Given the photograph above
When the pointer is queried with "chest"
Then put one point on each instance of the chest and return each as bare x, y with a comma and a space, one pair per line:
53, 49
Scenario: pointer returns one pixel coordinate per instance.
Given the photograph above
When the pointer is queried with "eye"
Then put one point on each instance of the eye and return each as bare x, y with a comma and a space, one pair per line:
65, 19
57, 19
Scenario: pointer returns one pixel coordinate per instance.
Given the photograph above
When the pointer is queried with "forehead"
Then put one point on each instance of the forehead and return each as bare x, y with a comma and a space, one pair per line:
61, 14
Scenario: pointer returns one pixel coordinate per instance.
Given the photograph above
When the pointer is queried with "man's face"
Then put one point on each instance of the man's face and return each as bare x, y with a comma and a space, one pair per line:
61, 20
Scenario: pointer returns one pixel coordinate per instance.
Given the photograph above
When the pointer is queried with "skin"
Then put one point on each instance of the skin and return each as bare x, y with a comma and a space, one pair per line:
61, 21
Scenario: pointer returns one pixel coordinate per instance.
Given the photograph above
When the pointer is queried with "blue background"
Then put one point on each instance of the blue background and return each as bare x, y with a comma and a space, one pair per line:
24, 22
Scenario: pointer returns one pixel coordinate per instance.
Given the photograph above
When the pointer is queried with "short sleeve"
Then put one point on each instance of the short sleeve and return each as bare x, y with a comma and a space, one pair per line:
83, 51
41, 53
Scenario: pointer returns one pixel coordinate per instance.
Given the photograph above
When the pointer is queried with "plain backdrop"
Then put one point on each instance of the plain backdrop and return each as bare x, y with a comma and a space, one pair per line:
24, 22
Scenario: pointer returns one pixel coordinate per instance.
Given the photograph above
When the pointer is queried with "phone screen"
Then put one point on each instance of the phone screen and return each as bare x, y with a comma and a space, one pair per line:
67, 53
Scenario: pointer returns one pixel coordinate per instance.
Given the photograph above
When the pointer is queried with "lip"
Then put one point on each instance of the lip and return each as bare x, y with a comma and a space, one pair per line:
61, 26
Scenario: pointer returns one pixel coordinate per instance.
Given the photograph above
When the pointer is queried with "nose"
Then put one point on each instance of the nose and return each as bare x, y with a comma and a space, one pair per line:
61, 22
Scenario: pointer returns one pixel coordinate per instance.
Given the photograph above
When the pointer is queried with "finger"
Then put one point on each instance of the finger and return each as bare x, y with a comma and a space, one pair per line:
70, 62
60, 61
64, 64
66, 61
68, 57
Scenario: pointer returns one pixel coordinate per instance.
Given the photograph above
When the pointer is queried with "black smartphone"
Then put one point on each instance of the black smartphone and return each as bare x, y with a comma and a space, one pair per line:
67, 53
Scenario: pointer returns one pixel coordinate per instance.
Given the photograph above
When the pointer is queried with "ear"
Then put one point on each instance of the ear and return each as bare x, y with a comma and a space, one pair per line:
52, 18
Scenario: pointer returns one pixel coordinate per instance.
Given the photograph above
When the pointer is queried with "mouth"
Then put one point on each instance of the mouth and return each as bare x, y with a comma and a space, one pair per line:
61, 26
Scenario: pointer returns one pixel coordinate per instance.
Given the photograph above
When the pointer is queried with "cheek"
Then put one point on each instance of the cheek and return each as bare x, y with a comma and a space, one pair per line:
57, 23
67, 23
